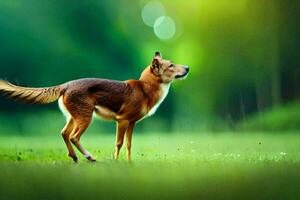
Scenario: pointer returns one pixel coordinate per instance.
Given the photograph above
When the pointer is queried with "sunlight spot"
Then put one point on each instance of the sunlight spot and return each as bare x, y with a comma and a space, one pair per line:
283, 153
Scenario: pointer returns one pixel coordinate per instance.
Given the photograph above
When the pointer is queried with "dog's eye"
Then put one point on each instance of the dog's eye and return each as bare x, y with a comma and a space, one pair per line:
171, 66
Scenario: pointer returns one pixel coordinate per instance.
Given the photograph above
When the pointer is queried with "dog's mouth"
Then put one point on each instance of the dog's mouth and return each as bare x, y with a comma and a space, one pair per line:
181, 76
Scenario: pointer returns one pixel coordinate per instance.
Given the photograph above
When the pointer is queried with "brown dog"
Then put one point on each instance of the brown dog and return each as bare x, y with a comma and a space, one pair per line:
126, 102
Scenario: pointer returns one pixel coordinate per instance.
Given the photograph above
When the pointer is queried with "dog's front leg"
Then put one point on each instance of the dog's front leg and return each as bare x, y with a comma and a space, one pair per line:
121, 129
129, 132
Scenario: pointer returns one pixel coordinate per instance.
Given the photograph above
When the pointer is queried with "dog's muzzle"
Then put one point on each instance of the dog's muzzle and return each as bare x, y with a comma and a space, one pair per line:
184, 74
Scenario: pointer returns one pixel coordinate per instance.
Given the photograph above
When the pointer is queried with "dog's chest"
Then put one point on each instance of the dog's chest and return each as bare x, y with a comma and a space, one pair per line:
165, 89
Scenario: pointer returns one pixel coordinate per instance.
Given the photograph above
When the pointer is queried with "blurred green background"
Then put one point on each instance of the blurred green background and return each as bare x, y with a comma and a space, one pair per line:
243, 57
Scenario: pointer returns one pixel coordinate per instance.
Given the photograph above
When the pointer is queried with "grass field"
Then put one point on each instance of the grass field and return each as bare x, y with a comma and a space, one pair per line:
165, 166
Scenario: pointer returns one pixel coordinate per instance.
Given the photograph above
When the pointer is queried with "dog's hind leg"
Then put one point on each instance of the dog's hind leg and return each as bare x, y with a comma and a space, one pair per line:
80, 107
66, 131
81, 125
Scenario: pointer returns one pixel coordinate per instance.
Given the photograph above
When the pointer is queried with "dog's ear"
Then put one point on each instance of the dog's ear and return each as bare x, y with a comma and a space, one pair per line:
157, 54
156, 62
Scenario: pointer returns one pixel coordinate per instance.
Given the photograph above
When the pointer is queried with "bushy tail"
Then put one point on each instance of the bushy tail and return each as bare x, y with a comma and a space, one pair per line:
30, 95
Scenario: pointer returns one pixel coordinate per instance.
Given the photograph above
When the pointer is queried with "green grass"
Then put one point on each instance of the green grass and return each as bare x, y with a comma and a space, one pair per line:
165, 166
281, 118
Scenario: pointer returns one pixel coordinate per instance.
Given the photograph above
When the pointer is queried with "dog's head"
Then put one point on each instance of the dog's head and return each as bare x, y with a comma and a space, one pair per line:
167, 70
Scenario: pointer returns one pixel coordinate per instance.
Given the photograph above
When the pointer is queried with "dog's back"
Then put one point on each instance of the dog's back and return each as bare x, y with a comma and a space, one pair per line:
103, 92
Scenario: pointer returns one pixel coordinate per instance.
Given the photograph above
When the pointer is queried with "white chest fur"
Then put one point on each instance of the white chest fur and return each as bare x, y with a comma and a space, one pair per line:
165, 89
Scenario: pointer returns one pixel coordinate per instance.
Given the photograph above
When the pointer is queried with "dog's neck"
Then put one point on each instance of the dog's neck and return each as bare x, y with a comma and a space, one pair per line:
153, 85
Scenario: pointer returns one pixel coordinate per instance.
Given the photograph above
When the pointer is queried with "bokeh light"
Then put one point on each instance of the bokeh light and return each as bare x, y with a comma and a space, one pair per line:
151, 11
164, 27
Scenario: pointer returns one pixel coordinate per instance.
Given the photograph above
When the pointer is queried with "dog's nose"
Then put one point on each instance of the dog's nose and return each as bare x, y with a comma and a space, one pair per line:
186, 69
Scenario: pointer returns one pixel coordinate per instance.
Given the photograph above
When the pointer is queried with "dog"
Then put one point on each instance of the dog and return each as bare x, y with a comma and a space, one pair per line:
126, 102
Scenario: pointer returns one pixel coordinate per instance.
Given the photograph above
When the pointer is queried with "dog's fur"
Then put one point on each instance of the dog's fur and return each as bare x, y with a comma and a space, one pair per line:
126, 102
